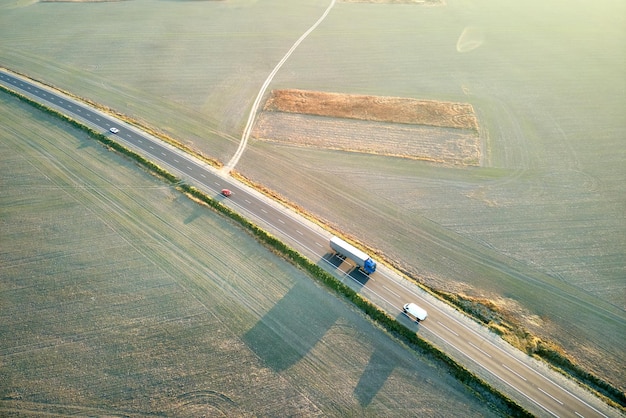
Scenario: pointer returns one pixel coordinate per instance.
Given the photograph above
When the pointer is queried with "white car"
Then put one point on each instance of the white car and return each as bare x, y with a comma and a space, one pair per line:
114, 130
415, 311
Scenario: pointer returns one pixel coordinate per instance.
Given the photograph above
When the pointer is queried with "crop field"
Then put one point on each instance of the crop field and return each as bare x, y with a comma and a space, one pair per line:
119, 296
537, 226
429, 143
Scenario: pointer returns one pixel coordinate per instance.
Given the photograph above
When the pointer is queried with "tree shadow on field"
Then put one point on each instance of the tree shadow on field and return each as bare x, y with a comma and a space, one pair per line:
291, 328
295, 324
374, 377
380, 366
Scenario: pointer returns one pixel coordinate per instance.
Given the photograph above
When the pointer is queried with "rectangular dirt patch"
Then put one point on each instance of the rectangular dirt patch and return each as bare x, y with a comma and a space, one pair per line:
374, 108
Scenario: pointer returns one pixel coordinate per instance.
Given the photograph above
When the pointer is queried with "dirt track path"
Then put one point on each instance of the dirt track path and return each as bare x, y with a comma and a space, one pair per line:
246, 132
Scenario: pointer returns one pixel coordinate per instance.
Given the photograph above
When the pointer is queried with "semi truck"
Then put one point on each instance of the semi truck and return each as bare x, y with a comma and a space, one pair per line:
365, 263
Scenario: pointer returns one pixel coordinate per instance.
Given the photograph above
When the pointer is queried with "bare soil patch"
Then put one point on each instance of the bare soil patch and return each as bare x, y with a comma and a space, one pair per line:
374, 108
419, 129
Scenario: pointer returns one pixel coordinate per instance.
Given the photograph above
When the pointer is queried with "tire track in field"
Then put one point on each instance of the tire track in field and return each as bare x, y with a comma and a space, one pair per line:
246, 132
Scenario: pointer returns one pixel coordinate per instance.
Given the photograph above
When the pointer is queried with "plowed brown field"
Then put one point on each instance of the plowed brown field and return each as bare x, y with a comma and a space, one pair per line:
375, 108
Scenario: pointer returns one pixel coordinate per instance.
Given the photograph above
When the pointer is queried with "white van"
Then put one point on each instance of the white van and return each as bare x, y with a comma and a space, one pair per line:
413, 310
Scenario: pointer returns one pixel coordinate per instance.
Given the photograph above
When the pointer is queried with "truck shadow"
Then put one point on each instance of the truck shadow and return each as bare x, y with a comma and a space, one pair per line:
331, 260
334, 262
358, 276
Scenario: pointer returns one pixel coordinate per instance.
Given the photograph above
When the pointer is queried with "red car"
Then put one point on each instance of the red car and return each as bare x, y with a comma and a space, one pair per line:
226, 192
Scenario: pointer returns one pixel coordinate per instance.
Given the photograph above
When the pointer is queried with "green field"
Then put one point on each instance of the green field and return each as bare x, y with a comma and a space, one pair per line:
539, 227
119, 296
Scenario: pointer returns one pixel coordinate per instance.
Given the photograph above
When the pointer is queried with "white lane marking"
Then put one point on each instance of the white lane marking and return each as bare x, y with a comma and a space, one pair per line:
203, 175
513, 371
263, 210
176, 160
140, 141
391, 291
549, 395
299, 232
319, 245
581, 416
163, 154
189, 168
482, 351
447, 328
216, 183
151, 147
247, 201
281, 221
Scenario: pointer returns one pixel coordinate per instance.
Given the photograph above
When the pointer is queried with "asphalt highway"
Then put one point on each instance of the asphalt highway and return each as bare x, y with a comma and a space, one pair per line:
540, 390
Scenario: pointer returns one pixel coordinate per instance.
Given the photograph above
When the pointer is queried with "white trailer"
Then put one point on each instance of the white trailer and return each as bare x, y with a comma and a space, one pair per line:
365, 263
